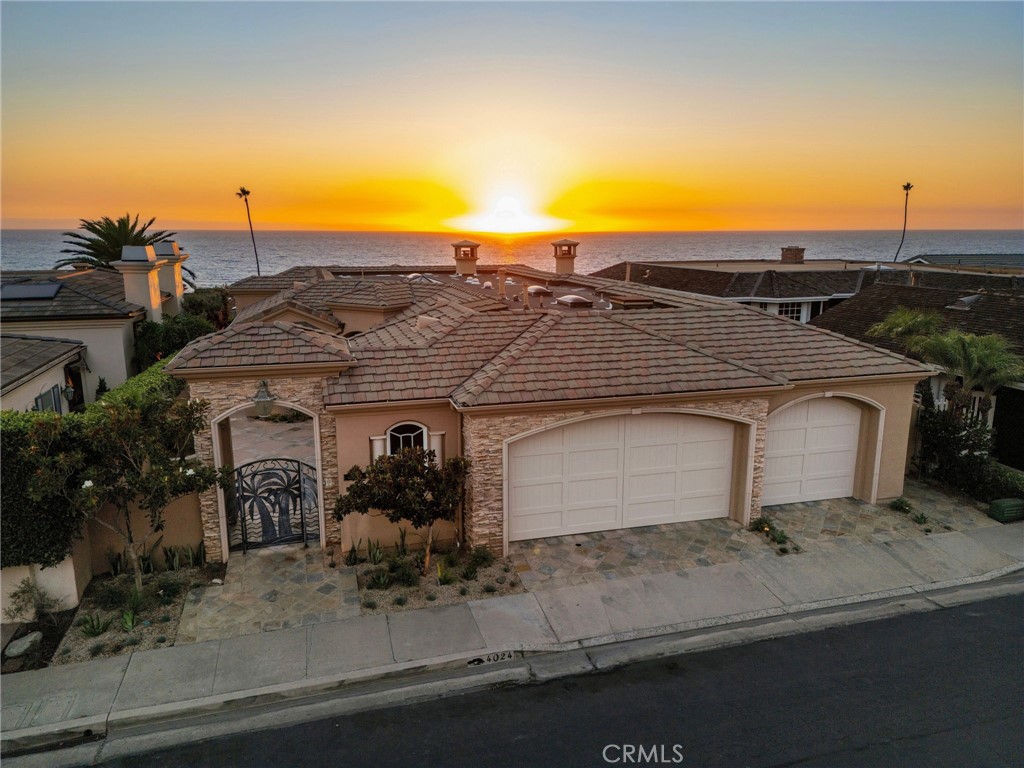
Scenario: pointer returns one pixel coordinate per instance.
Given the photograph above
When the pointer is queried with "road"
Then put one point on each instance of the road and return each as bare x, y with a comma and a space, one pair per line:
944, 688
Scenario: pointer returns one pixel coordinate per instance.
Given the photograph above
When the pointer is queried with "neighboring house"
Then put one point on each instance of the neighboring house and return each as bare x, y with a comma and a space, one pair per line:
577, 416
39, 373
97, 308
977, 312
1008, 262
791, 287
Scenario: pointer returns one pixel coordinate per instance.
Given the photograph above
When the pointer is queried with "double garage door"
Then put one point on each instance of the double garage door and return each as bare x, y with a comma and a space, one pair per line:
620, 472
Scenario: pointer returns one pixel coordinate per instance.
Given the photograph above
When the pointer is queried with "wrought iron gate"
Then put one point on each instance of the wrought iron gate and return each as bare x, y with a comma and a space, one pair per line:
276, 502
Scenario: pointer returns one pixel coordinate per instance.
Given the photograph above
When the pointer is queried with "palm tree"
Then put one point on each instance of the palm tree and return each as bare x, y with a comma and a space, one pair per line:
910, 327
106, 238
906, 204
244, 194
973, 362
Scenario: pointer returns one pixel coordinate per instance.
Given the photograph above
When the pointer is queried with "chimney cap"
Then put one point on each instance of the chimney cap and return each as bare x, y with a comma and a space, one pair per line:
465, 243
565, 241
137, 253
167, 248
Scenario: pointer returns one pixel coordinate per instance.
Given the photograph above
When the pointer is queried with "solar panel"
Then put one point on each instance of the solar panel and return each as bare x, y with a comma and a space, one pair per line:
29, 291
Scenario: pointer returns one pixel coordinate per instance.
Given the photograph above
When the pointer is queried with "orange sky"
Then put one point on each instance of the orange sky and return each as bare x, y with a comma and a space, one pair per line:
514, 117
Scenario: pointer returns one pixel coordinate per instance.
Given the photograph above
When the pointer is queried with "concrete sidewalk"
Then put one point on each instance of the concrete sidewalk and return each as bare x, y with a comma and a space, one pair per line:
544, 634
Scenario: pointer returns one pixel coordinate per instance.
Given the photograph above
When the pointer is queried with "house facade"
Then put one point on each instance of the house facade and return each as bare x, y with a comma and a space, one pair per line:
583, 403
96, 308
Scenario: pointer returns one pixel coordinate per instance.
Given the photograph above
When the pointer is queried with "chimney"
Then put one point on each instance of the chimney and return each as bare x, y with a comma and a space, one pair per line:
140, 270
629, 270
565, 256
465, 257
501, 283
170, 274
792, 254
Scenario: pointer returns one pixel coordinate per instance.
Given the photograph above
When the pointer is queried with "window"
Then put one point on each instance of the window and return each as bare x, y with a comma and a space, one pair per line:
49, 400
408, 435
791, 309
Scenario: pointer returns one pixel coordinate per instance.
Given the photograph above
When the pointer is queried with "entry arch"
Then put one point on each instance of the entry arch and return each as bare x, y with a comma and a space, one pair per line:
220, 424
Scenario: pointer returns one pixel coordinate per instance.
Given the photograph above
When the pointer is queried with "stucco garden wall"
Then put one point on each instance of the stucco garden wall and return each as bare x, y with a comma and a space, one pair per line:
484, 436
182, 526
227, 395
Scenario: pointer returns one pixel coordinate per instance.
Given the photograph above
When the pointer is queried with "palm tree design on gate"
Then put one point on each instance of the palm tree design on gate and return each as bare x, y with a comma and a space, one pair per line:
276, 503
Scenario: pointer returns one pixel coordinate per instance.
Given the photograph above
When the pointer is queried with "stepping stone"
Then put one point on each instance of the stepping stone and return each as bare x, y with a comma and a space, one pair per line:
23, 645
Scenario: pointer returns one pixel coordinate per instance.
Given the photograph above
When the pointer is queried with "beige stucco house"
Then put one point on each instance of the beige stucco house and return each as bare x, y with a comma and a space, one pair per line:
583, 403
98, 309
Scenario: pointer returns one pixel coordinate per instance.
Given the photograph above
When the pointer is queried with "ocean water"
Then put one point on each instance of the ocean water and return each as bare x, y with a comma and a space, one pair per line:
221, 257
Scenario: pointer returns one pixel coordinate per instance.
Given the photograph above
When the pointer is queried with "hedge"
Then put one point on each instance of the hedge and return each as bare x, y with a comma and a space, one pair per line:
43, 530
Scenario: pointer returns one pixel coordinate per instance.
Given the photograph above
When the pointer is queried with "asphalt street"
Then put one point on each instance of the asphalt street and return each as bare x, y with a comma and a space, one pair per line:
944, 688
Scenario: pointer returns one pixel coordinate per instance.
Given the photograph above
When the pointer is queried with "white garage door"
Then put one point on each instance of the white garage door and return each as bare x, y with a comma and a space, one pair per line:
619, 472
811, 451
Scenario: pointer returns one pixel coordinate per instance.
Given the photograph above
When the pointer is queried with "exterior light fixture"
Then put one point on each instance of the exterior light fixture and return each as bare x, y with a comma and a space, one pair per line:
68, 392
264, 400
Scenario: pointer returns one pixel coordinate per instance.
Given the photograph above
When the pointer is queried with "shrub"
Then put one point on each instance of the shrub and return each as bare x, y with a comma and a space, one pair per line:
998, 481
431, 596
401, 600
481, 557
111, 594
403, 572
445, 575
96, 649
129, 619
469, 573
490, 588
919, 517
900, 505
156, 341
28, 599
370, 604
213, 304
954, 450
463, 591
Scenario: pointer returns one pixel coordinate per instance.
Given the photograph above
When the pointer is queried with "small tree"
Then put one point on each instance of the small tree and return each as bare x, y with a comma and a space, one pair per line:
407, 486
132, 453
157, 341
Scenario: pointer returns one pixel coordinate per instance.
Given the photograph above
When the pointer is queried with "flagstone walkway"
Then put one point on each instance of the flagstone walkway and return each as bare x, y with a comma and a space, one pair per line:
268, 589
563, 561
254, 439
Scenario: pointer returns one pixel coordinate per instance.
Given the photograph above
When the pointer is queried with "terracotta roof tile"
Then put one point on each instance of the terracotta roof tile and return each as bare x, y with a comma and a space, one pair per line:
252, 344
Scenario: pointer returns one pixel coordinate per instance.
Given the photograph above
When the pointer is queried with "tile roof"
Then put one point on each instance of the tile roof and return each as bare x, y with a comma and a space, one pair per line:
957, 281
973, 259
521, 357
22, 357
92, 293
765, 284
261, 344
1001, 313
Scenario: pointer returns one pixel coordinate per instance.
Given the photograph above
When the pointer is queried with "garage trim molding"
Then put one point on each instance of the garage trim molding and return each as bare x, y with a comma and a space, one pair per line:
881, 427
748, 482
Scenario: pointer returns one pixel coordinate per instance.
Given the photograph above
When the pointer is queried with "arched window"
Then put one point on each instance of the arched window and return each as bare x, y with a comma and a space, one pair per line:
406, 435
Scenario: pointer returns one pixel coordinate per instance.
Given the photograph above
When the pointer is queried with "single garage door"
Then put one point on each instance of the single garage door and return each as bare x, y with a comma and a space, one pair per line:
620, 472
811, 451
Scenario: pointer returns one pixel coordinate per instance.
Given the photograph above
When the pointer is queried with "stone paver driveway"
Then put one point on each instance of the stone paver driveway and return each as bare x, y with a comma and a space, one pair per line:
267, 589
254, 439
563, 561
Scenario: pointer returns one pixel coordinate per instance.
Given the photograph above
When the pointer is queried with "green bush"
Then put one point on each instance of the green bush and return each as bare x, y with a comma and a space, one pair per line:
953, 450
156, 341
900, 505
998, 481
481, 557
38, 528
213, 304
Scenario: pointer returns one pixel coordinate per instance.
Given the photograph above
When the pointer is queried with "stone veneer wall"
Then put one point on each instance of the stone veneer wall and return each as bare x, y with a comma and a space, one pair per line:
226, 394
483, 439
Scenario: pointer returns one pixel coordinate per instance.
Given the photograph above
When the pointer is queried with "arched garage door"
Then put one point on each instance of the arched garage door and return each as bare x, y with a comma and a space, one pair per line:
620, 472
811, 451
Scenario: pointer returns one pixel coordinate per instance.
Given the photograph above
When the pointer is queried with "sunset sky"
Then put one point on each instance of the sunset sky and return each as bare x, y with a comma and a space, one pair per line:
484, 117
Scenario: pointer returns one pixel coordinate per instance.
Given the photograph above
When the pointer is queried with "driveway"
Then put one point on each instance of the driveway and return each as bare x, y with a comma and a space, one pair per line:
817, 526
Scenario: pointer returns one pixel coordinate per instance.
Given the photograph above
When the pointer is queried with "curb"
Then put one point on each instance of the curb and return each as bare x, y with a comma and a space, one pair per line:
378, 687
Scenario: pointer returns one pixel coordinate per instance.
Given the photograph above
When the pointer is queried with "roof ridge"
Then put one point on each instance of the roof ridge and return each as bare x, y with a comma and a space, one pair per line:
759, 370
488, 373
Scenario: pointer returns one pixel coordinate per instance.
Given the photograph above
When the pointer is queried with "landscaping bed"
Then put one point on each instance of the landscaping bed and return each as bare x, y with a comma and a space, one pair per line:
392, 584
113, 619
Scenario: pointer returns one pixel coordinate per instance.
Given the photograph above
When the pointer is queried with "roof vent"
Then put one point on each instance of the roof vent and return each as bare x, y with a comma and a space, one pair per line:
426, 321
965, 302
572, 300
